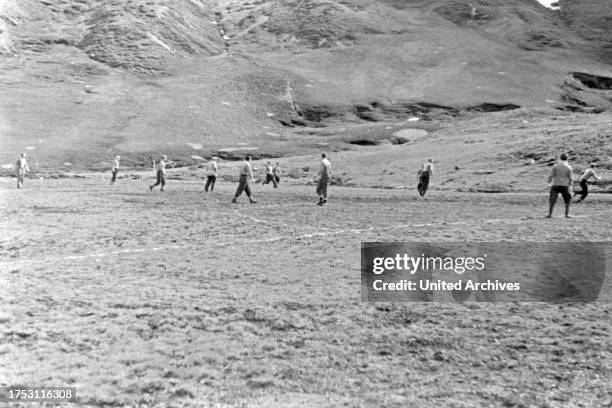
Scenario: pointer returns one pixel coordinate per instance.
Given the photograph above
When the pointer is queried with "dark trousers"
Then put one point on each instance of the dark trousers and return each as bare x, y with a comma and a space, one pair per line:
161, 179
270, 178
585, 190
115, 171
556, 190
210, 183
243, 185
322, 187
423, 183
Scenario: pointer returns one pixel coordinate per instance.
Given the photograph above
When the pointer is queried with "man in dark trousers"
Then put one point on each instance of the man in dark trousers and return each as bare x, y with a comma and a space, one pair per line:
161, 174
270, 175
324, 179
211, 176
584, 182
246, 175
561, 179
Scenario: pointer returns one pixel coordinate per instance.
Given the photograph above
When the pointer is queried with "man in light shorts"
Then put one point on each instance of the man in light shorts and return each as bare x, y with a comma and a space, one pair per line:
22, 168
161, 174
211, 176
584, 180
324, 176
561, 179
115, 169
246, 176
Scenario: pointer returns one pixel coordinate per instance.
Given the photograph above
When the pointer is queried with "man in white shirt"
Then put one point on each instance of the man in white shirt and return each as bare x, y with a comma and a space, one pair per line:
161, 174
211, 175
115, 169
246, 175
584, 179
270, 175
561, 179
22, 169
324, 176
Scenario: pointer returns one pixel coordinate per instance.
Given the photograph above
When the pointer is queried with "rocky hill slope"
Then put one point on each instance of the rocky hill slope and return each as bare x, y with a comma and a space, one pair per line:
82, 79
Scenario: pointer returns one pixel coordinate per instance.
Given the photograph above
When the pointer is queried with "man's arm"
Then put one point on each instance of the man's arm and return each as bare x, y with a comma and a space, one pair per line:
596, 176
552, 175
251, 173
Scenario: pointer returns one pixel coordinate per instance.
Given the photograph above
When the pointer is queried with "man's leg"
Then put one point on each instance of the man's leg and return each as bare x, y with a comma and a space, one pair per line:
240, 189
247, 190
213, 179
157, 182
208, 181
552, 199
585, 190
274, 181
163, 182
320, 192
324, 191
567, 198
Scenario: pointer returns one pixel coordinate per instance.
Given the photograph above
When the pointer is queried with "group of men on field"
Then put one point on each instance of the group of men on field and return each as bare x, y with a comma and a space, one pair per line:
561, 178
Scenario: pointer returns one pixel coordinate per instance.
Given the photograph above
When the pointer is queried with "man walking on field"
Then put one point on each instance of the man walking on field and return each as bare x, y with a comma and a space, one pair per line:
584, 179
324, 179
22, 169
211, 176
161, 174
115, 169
277, 172
246, 176
426, 174
562, 178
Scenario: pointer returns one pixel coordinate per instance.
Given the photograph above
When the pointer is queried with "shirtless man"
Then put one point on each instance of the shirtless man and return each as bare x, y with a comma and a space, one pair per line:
246, 176
324, 179
22, 169
561, 179
161, 174
584, 179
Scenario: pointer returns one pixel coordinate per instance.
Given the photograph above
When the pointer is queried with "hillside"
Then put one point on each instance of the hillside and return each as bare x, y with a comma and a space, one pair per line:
85, 79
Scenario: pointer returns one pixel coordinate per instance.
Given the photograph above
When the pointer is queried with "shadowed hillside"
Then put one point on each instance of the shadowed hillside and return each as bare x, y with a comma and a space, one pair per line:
83, 79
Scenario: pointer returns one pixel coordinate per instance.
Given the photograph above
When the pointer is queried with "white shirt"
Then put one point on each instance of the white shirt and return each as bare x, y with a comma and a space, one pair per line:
116, 165
22, 164
161, 166
212, 169
325, 168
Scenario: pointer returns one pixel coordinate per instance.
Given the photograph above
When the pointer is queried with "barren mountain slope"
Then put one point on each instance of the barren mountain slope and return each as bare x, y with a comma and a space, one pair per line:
83, 79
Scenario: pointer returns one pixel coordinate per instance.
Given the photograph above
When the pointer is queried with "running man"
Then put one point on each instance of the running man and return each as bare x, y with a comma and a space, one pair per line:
161, 173
562, 178
588, 173
246, 176
22, 168
277, 172
425, 174
211, 176
115, 169
324, 179
270, 175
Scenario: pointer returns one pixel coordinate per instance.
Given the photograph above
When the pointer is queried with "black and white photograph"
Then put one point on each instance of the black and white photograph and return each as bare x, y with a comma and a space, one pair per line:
306, 203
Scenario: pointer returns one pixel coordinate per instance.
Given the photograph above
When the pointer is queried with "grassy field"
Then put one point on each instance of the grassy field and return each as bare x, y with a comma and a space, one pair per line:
179, 299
